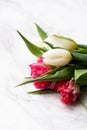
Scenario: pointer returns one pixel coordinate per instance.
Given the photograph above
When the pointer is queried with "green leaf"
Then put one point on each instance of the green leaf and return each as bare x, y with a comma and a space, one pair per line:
78, 66
82, 80
64, 74
82, 46
79, 57
41, 32
44, 49
41, 92
84, 51
78, 73
49, 44
54, 70
32, 48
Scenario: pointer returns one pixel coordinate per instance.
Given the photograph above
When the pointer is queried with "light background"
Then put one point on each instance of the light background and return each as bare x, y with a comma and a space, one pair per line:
19, 111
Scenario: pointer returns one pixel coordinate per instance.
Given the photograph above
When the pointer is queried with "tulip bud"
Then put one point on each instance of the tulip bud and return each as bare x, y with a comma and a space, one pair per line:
62, 42
57, 57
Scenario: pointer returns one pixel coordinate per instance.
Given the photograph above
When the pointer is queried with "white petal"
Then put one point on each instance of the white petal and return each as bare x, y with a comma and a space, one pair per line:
61, 42
57, 57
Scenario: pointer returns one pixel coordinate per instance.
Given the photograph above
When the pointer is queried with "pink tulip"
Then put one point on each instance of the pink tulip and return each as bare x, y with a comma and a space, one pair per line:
37, 69
69, 91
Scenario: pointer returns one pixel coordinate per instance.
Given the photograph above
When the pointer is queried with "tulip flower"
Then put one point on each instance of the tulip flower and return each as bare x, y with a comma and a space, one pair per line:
69, 91
61, 42
57, 57
38, 69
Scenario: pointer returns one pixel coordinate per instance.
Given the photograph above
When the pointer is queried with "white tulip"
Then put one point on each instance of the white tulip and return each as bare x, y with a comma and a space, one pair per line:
62, 42
57, 57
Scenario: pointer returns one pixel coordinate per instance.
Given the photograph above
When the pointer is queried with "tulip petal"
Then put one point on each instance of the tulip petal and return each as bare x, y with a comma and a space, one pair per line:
57, 57
62, 42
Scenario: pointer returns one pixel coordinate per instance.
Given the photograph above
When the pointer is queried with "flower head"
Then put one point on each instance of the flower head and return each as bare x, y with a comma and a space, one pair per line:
62, 42
69, 91
57, 57
37, 69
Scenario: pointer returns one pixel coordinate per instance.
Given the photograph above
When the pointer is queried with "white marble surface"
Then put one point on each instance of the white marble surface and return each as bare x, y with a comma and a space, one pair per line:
19, 111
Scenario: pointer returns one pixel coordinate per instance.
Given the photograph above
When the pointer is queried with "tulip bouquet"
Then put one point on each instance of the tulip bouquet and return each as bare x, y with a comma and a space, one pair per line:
61, 66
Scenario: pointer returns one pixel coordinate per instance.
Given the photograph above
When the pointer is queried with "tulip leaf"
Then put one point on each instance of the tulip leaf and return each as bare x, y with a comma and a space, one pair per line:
32, 48
82, 80
79, 57
49, 44
53, 71
64, 74
82, 46
78, 66
41, 32
78, 73
48, 91
84, 51
44, 49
